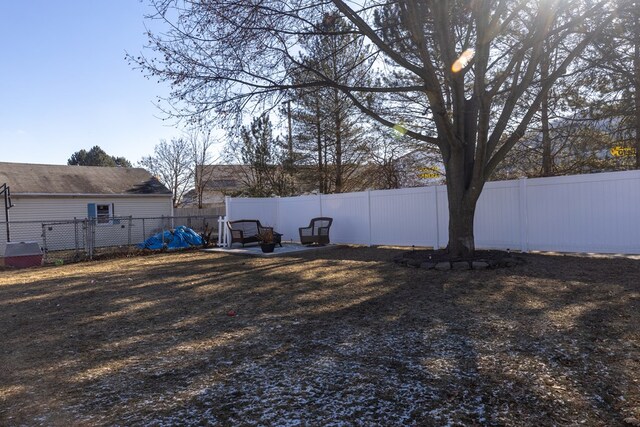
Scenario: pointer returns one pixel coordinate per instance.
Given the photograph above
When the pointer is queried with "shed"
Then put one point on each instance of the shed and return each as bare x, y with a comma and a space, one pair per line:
49, 193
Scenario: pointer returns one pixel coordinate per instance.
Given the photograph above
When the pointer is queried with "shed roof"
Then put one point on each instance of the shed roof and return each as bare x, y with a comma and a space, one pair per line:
25, 178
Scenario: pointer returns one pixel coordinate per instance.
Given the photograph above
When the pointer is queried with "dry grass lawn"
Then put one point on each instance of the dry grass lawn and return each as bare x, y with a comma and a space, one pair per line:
334, 337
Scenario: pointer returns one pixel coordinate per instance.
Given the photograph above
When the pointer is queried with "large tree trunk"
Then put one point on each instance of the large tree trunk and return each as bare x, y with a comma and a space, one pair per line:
463, 186
461, 237
462, 195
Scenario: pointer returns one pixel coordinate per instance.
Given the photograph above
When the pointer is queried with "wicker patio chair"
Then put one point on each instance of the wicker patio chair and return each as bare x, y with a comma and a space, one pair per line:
246, 231
316, 232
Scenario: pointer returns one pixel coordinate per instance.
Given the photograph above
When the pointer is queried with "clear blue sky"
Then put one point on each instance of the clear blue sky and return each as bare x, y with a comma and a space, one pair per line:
65, 85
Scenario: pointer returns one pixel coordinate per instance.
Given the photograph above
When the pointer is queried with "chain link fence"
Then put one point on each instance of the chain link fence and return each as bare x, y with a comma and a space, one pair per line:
80, 239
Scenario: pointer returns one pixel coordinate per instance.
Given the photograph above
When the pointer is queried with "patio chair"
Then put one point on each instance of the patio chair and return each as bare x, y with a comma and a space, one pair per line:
246, 231
316, 232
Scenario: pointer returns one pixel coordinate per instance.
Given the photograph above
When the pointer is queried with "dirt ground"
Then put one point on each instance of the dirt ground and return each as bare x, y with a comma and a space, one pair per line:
333, 337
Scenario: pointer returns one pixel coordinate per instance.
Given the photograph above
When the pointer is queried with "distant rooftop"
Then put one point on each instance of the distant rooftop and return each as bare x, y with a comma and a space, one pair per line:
25, 178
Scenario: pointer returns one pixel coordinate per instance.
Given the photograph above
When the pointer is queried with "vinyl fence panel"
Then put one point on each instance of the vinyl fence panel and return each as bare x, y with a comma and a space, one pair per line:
585, 213
443, 216
350, 213
263, 209
498, 218
404, 217
295, 212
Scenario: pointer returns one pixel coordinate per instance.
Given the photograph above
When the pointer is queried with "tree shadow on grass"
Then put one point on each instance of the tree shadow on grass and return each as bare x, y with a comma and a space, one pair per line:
334, 335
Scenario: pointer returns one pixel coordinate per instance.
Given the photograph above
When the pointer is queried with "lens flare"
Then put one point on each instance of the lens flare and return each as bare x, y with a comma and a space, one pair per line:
401, 130
463, 60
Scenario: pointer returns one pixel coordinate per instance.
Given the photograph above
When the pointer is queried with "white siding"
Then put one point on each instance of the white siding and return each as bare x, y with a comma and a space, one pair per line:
28, 214
51, 209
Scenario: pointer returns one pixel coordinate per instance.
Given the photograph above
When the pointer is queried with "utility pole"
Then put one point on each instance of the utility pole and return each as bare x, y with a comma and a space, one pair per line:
4, 189
290, 139
636, 78
289, 162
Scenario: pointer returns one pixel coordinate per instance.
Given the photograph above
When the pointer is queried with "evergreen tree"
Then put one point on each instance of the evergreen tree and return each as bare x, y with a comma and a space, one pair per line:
590, 112
96, 156
331, 136
614, 78
265, 158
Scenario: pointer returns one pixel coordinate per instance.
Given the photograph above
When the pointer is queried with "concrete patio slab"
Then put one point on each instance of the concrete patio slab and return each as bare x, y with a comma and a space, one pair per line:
254, 250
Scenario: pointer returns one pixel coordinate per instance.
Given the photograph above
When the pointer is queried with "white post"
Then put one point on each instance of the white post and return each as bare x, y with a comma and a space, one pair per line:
276, 226
524, 220
223, 232
435, 191
369, 212
320, 201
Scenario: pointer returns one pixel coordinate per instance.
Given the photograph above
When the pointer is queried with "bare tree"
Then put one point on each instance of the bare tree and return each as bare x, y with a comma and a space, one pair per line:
201, 143
463, 75
567, 147
171, 163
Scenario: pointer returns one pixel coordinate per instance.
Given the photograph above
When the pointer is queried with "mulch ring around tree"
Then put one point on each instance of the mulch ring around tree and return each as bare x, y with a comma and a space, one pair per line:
440, 259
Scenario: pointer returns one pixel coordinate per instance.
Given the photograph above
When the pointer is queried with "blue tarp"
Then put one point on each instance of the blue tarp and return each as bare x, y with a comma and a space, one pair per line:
181, 237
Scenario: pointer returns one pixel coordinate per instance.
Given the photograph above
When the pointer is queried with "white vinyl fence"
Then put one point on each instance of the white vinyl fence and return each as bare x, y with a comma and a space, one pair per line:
597, 213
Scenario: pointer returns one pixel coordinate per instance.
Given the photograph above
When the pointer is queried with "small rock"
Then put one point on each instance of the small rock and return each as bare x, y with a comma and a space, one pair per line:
428, 265
443, 266
480, 265
632, 421
460, 265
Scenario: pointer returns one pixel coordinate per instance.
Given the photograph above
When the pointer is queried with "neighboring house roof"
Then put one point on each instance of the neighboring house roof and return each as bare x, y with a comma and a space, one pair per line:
225, 177
24, 178
230, 179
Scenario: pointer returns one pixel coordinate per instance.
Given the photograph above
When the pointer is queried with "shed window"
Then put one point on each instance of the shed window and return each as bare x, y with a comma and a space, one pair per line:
103, 213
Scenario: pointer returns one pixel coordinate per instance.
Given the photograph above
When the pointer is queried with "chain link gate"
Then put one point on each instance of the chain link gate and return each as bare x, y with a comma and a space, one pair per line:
82, 238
